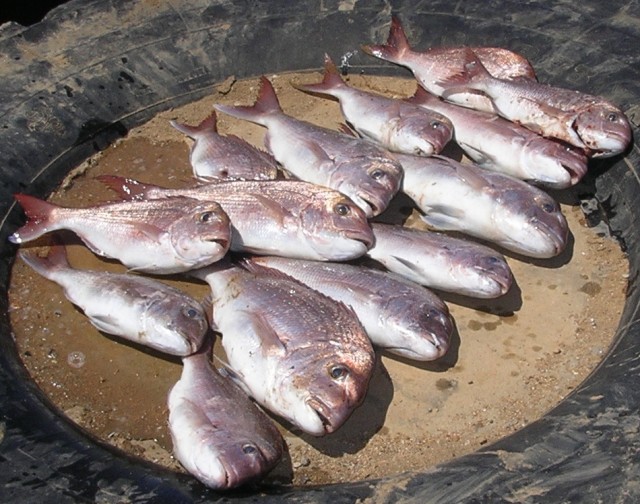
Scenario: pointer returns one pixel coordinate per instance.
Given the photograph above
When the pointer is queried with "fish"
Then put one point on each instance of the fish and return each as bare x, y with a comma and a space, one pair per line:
441, 262
588, 122
399, 316
365, 172
285, 217
298, 353
433, 66
215, 157
500, 145
219, 435
397, 125
161, 236
133, 307
497, 208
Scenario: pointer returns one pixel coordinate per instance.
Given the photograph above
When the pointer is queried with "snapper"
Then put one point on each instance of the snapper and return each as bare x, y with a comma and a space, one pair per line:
394, 124
365, 172
297, 352
160, 236
503, 210
133, 307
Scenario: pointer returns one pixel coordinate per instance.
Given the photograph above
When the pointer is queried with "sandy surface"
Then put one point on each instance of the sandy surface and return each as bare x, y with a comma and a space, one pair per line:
512, 360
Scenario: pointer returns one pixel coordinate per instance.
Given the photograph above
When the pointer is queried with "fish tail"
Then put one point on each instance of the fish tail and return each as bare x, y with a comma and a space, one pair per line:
39, 213
209, 123
56, 259
472, 75
126, 188
330, 80
266, 104
396, 47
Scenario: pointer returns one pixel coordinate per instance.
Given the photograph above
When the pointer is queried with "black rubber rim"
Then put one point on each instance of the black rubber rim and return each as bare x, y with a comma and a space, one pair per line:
93, 69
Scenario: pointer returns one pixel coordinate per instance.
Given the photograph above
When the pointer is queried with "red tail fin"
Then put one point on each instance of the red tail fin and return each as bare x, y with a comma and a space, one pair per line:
39, 214
330, 80
126, 188
209, 123
396, 47
267, 103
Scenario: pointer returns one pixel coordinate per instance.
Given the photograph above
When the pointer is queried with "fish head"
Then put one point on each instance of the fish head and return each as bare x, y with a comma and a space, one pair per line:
330, 387
228, 459
604, 130
203, 234
418, 137
370, 181
176, 328
532, 223
493, 274
423, 330
335, 226
553, 164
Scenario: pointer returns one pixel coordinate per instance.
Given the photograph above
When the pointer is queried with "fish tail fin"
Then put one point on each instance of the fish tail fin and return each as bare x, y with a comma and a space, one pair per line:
56, 259
472, 75
126, 188
330, 80
39, 213
396, 47
209, 123
266, 104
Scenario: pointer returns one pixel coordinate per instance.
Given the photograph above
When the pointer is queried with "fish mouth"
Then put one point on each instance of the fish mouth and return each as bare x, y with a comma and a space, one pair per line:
324, 412
370, 207
363, 236
223, 242
503, 279
576, 172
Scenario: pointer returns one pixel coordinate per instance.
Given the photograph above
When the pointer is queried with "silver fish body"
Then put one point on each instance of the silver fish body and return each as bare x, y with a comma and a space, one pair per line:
136, 308
164, 236
488, 205
298, 353
216, 157
365, 172
441, 262
399, 316
284, 217
588, 122
397, 125
218, 433
435, 65
501, 145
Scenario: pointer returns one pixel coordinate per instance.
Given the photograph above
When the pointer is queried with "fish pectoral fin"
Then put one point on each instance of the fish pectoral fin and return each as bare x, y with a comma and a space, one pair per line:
274, 208
479, 157
407, 264
443, 218
270, 341
232, 375
472, 176
105, 323
149, 230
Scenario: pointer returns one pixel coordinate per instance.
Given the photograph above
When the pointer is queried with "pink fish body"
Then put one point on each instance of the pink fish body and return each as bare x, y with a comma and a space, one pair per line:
163, 236
437, 64
365, 172
588, 122
218, 433
395, 124
501, 145
217, 157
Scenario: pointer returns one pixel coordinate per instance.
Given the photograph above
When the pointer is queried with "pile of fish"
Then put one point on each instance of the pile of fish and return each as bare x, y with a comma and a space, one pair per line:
286, 238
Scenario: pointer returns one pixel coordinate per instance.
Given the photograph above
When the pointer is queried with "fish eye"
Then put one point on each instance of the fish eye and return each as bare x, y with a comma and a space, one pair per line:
342, 209
249, 449
206, 217
548, 207
436, 124
377, 174
612, 117
190, 312
338, 372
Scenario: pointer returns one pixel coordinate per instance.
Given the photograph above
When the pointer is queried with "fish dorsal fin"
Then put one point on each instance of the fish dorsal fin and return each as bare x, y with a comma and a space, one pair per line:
126, 188
208, 124
330, 80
